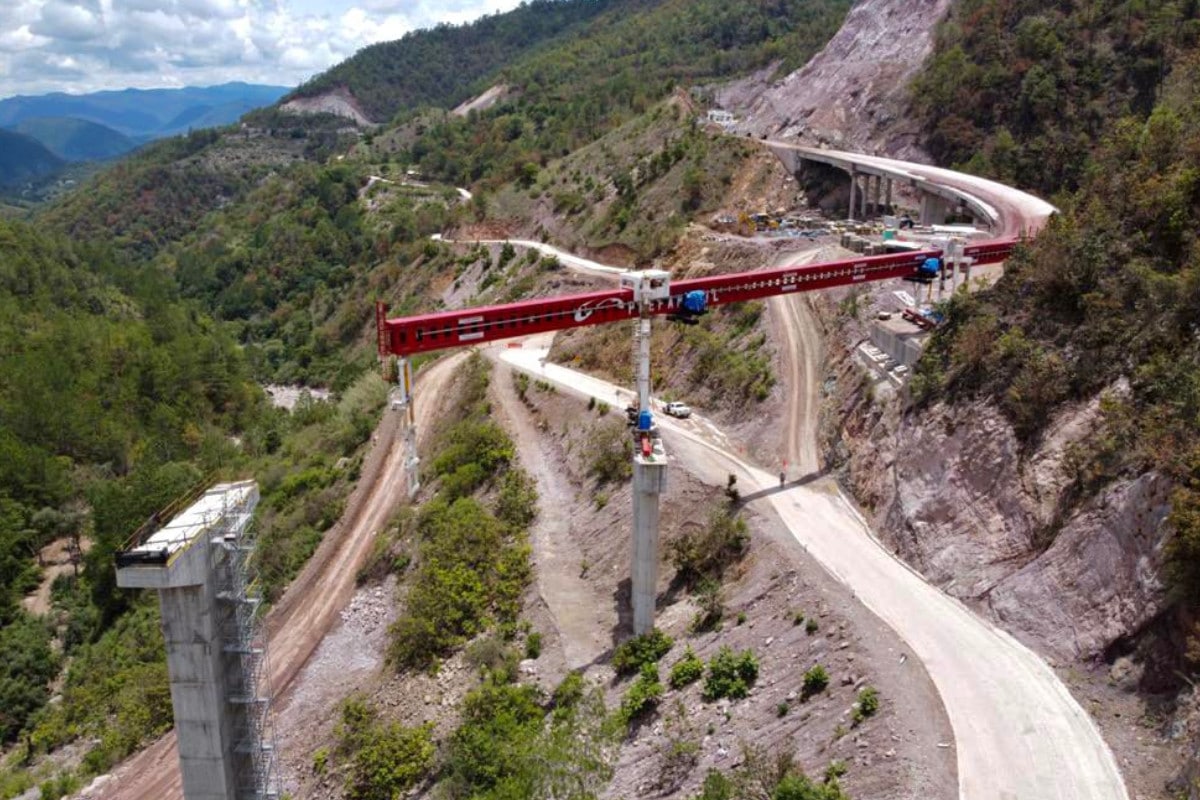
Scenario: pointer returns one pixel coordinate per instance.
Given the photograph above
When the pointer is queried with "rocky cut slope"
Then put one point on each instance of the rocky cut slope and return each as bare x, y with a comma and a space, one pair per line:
854, 93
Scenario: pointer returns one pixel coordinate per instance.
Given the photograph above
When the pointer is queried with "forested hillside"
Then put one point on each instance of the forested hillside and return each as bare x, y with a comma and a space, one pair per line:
612, 69
1023, 91
107, 383
444, 65
1106, 298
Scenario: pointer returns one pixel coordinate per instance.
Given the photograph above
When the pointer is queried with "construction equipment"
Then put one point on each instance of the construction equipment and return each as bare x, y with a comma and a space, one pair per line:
641, 296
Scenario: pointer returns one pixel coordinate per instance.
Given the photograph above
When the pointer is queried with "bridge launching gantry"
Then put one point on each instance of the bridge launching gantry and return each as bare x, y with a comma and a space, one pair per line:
642, 295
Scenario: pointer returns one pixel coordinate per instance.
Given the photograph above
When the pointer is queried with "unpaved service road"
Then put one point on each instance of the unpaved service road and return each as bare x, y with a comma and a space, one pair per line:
312, 603
1019, 733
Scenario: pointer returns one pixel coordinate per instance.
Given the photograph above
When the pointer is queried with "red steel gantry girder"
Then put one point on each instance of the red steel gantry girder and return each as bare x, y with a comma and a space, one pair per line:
408, 336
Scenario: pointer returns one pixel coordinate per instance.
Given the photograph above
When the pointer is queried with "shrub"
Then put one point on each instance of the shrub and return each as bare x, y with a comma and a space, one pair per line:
533, 645
867, 705
568, 693
707, 553
811, 626
491, 655
716, 787
391, 760
712, 605
730, 675
801, 787
498, 725
686, 670
639, 651
517, 501
611, 452
815, 681
643, 695
472, 571
385, 760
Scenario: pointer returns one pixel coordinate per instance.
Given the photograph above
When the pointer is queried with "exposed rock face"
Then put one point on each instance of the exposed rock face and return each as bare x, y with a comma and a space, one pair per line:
952, 492
338, 101
853, 93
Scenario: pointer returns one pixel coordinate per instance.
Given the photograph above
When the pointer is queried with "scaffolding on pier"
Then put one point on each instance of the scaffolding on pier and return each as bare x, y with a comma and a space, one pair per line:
244, 646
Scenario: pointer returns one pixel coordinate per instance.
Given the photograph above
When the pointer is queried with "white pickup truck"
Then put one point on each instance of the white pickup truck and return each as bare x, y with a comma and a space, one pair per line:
676, 409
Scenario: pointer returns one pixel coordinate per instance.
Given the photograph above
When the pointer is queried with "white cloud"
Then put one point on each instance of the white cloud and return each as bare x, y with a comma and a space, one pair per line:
68, 21
89, 45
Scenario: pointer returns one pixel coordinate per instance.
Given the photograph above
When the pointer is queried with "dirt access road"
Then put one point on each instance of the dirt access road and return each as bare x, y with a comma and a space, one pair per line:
801, 358
298, 623
1019, 733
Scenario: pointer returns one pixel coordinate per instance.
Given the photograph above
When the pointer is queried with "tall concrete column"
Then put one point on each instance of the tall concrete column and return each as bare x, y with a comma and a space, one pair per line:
875, 196
853, 186
888, 201
865, 191
183, 564
649, 482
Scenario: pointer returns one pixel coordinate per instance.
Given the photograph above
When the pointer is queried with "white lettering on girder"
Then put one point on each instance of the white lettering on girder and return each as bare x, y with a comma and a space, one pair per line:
586, 310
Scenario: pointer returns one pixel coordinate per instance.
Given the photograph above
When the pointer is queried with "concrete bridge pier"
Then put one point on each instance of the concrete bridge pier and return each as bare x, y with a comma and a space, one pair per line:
876, 210
934, 209
649, 482
853, 186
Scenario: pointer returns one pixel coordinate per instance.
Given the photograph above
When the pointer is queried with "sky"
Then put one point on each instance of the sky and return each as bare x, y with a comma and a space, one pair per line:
80, 46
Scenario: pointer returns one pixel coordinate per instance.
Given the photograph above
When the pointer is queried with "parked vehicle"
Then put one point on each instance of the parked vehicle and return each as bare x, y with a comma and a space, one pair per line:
676, 409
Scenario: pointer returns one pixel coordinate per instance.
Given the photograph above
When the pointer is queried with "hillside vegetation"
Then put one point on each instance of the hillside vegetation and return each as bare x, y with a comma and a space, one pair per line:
1022, 91
445, 65
1106, 298
119, 395
612, 69
139, 314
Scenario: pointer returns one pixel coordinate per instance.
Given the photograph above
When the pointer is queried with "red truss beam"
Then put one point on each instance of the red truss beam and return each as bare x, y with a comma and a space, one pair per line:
407, 336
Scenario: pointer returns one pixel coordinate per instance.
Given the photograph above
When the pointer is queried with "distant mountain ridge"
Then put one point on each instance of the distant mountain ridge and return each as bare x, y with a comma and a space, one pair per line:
23, 158
144, 114
76, 139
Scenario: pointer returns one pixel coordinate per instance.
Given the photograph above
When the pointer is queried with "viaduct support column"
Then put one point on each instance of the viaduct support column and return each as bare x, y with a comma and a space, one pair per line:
866, 190
853, 186
181, 562
649, 459
888, 201
649, 482
875, 197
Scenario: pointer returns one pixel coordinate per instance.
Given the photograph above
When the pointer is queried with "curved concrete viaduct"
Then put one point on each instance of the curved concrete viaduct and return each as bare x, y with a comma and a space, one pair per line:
1007, 211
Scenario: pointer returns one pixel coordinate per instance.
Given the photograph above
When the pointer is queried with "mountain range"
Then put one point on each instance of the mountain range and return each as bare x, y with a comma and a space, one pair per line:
146, 113
41, 133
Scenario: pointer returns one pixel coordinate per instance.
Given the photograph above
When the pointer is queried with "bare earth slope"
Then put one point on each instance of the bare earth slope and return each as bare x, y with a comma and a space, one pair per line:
853, 93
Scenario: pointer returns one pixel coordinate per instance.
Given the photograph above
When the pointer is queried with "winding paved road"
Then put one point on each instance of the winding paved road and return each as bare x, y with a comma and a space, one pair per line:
1019, 733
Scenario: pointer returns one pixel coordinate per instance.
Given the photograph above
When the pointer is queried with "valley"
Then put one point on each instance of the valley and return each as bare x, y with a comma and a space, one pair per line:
928, 536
